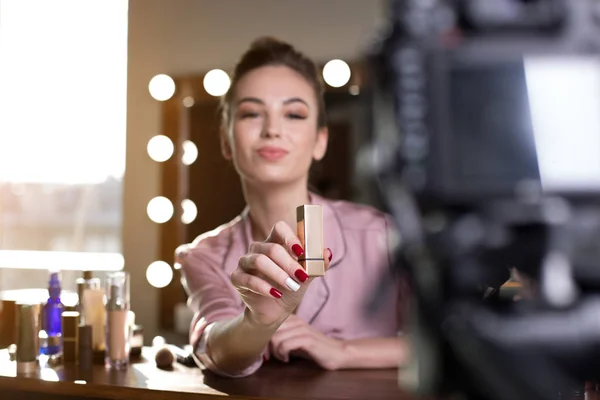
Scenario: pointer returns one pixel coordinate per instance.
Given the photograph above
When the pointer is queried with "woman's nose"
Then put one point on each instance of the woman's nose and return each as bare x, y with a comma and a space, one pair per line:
272, 127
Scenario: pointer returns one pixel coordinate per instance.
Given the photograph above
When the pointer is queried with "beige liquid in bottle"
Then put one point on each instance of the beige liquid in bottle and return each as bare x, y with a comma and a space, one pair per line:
95, 315
118, 327
118, 335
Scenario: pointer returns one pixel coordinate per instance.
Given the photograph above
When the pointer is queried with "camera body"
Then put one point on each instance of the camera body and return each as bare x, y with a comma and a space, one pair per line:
485, 128
488, 97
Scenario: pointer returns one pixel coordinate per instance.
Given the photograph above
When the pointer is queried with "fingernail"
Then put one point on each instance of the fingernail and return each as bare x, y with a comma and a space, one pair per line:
292, 284
275, 293
301, 275
330, 254
297, 249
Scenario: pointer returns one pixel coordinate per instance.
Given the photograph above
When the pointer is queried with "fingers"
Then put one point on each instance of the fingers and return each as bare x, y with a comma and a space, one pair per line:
291, 328
253, 283
298, 341
282, 258
284, 335
273, 264
327, 257
270, 267
285, 236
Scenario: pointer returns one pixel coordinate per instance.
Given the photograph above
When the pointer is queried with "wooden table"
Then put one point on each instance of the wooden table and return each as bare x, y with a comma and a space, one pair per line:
142, 380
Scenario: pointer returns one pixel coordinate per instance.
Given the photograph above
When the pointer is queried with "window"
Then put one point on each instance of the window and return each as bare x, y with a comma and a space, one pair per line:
63, 83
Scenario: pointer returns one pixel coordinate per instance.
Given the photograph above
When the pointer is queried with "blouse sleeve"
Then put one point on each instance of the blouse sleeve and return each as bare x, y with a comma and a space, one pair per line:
212, 298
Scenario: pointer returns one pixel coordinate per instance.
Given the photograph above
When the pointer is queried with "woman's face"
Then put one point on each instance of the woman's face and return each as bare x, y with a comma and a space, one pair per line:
273, 136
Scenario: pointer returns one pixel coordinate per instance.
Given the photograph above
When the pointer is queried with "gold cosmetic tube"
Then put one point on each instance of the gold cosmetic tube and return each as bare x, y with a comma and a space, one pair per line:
310, 233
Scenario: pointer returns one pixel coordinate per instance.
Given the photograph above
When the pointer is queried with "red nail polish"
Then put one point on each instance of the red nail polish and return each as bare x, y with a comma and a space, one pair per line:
301, 275
275, 293
297, 249
330, 254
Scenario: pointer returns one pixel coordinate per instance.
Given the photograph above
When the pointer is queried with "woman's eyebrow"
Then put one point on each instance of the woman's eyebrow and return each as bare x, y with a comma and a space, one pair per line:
250, 100
256, 100
295, 100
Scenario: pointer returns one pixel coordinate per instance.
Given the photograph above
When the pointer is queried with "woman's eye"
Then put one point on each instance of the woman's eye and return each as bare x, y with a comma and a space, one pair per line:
296, 116
249, 115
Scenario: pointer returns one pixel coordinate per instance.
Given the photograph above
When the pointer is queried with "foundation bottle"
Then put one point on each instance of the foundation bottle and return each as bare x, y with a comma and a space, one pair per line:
118, 328
92, 310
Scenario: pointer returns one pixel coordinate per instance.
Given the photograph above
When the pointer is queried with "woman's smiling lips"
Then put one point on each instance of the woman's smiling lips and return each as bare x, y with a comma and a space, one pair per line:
272, 153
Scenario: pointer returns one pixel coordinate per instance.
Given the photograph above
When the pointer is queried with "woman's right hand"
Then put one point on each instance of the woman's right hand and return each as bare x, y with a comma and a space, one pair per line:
270, 279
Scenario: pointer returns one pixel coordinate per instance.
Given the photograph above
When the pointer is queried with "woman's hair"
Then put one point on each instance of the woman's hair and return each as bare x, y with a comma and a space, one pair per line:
269, 51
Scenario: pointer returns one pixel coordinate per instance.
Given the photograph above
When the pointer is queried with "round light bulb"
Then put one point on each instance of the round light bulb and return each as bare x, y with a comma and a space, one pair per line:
160, 209
159, 274
190, 152
190, 211
161, 87
188, 102
160, 148
216, 82
336, 73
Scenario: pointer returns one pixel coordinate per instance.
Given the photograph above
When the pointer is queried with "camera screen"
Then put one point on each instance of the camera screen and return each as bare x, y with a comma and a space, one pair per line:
536, 119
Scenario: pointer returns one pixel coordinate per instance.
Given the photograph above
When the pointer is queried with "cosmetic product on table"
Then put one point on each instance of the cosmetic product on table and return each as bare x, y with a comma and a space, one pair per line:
38, 315
310, 233
164, 358
27, 338
8, 323
85, 356
81, 284
166, 354
93, 313
70, 325
182, 356
136, 341
118, 327
52, 317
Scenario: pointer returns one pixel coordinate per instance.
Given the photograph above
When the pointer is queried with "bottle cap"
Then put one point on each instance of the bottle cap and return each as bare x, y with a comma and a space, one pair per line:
54, 278
54, 288
117, 290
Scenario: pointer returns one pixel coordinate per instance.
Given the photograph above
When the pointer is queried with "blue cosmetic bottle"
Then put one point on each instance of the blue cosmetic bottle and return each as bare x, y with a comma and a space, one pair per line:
52, 318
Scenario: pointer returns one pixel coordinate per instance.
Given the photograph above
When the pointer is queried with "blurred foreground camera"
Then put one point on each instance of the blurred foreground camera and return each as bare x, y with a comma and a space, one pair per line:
512, 14
485, 118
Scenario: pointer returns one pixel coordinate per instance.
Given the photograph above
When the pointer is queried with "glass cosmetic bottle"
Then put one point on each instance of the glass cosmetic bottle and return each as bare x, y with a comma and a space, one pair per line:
92, 310
53, 310
117, 324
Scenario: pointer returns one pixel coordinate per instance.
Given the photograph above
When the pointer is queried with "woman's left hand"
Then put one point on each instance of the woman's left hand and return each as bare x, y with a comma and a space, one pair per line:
296, 337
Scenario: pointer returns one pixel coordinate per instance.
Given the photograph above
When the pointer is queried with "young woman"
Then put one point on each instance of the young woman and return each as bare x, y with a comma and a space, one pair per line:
251, 298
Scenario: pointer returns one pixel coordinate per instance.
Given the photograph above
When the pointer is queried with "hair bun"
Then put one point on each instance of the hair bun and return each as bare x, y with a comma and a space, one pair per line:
270, 43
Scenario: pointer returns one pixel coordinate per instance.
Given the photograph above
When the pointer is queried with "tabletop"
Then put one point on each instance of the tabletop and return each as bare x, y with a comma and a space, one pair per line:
143, 380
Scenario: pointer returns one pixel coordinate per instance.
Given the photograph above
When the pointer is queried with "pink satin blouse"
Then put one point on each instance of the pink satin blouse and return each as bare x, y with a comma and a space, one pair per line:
360, 239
